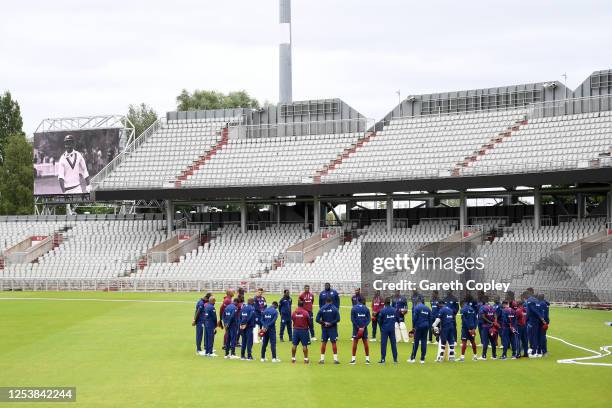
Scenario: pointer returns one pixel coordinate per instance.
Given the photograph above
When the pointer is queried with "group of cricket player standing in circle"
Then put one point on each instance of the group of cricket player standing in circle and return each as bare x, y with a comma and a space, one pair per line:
521, 324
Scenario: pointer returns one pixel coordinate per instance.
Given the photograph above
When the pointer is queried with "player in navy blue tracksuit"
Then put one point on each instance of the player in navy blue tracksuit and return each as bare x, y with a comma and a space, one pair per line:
451, 301
400, 303
268, 325
329, 292
421, 322
488, 323
328, 317
544, 306
388, 319
230, 322
535, 320
247, 323
260, 305
434, 313
284, 308
210, 326
509, 332
360, 317
447, 328
468, 329
198, 322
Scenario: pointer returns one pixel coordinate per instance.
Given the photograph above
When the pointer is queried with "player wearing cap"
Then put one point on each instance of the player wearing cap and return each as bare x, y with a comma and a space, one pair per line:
388, 320
328, 317
468, 329
301, 325
71, 168
360, 317
421, 322
447, 329
308, 298
377, 304
268, 331
230, 320
284, 307
400, 303
247, 323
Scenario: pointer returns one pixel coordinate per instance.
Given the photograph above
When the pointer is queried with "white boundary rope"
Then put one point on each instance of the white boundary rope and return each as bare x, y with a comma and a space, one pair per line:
605, 351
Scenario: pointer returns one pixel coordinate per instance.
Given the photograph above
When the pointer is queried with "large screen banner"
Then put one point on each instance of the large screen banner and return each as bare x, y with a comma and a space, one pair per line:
65, 161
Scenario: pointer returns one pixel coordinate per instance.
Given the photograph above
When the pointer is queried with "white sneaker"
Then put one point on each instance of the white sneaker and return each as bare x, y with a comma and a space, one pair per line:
234, 357
353, 362
276, 360
451, 358
263, 360
227, 356
462, 359
410, 360
313, 339
482, 358
200, 353
212, 355
422, 361
373, 340
474, 358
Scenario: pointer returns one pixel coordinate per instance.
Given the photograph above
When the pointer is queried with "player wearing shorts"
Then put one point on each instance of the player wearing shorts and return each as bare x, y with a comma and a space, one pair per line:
328, 317
301, 325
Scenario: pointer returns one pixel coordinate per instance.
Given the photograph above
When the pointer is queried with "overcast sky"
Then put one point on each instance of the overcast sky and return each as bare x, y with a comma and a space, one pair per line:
74, 57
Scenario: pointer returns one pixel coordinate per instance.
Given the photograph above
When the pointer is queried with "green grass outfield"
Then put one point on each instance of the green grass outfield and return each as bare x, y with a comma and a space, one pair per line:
141, 354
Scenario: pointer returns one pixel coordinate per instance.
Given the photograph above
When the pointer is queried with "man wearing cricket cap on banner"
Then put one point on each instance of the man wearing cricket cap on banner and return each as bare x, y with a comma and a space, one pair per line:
71, 168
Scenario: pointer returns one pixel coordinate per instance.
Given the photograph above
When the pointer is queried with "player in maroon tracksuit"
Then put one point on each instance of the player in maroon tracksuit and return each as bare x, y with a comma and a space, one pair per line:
377, 304
521, 323
301, 324
229, 295
308, 298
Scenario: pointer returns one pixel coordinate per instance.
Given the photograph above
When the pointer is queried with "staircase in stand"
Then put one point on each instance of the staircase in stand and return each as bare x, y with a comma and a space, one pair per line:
485, 148
346, 153
197, 164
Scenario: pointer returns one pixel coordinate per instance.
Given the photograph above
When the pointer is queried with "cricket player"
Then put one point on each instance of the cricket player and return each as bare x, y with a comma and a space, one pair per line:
260, 306
210, 326
451, 301
284, 307
301, 326
400, 303
521, 325
198, 322
447, 329
71, 168
328, 317
388, 319
308, 298
247, 323
329, 292
268, 327
357, 297
488, 334
535, 321
227, 299
377, 304
230, 320
360, 317
468, 329
421, 322
509, 332
542, 341
435, 297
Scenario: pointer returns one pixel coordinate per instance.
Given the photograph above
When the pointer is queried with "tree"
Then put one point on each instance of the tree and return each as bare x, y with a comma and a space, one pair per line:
203, 100
142, 116
17, 175
10, 120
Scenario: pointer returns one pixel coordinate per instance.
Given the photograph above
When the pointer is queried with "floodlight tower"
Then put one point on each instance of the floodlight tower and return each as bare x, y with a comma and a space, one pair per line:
285, 81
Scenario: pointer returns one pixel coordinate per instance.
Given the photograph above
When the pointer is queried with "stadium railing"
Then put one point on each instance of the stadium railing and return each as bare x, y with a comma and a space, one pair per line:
270, 286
